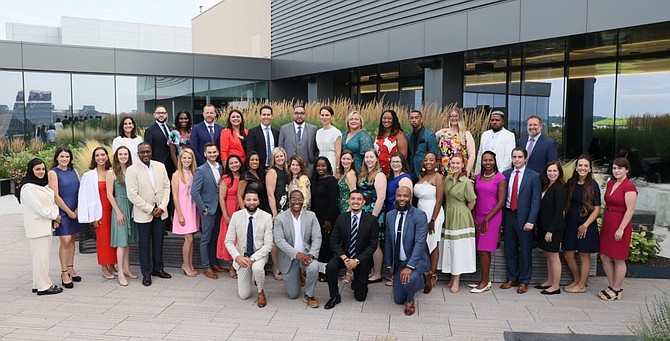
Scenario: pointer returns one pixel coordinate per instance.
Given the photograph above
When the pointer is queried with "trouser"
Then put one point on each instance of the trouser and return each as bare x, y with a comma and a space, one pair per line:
405, 292
292, 278
359, 283
247, 276
40, 248
151, 245
518, 249
210, 234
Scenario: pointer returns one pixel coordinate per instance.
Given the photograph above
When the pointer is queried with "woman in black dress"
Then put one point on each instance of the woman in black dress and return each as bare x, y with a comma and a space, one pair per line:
326, 194
253, 179
276, 180
550, 225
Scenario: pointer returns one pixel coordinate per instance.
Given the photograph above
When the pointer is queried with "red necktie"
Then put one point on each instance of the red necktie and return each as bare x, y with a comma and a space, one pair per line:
515, 195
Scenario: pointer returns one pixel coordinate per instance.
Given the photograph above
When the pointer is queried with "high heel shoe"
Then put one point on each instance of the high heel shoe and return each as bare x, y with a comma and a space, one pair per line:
68, 285
123, 281
188, 274
75, 278
477, 291
130, 275
110, 276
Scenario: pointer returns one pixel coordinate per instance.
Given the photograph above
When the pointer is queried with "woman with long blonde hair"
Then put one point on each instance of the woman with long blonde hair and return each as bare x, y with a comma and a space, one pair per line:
186, 218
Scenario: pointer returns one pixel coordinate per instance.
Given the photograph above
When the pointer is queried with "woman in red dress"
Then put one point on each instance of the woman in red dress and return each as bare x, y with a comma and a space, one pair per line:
390, 139
232, 137
229, 204
620, 199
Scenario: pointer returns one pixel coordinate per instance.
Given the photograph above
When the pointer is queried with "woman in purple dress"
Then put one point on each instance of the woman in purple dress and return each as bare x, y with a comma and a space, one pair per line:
491, 190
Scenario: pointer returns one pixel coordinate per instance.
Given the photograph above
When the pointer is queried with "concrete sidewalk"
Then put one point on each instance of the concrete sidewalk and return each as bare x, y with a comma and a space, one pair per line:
187, 308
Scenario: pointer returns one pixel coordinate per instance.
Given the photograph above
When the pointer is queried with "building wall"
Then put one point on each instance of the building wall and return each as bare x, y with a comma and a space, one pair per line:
32, 33
334, 35
234, 28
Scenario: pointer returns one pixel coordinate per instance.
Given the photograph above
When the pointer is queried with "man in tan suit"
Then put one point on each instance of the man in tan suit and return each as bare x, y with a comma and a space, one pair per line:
149, 190
253, 230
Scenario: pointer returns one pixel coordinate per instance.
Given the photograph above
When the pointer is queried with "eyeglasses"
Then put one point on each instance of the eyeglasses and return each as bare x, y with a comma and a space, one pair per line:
296, 200
298, 113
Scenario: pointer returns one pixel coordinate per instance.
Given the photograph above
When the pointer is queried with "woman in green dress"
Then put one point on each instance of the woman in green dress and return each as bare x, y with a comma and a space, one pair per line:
347, 181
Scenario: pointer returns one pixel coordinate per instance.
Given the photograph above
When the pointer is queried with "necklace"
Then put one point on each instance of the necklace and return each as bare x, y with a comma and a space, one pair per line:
487, 176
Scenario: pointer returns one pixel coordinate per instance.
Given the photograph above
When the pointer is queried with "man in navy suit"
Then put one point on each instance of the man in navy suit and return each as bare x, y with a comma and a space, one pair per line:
524, 195
299, 138
205, 132
540, 148
205, 194
420, 142
406, 250
263, 138
156, 136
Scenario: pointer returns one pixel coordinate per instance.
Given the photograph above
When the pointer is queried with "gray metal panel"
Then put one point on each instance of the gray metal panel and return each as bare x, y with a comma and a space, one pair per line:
302, 61
494, 25
48, 57
211, 66
323, 57
541, 19
154, 63
373, 48
345, 53
609, 14
446, 34
10, 58
282, 67
406, 42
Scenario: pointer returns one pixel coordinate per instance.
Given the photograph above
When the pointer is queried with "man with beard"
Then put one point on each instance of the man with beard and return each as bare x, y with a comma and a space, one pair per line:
299, 137
205, 132
498, 140
540, 148
421, 141
156, 136
249, 241
406, 250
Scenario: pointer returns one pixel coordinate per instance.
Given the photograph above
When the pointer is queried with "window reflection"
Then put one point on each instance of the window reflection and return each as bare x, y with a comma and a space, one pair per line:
47, 102
11, 104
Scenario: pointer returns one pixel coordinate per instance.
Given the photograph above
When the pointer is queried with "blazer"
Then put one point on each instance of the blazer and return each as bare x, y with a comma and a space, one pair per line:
200, 137
236, 237
230, 143
529, 199
39, 210
551, 216
89, 206
160, 150
284, 235
306, 148
145, 197
368, 234
205, 189
256, 141
544, 151
503, 149
415, 231
427, 143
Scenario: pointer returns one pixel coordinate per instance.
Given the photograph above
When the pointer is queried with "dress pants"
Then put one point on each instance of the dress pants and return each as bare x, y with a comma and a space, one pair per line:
151, 239
405, 292
360, 282
292, 278
247, 276
518, 249
210, 234
40, 248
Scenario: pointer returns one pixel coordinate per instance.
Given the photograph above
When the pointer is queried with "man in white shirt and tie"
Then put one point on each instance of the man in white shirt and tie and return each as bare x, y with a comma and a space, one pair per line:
205, 132
156, 136
299, 138
263, 138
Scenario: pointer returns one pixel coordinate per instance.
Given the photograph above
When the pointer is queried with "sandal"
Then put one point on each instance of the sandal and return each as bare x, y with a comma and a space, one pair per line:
233, 273
348, 277
277, 276
75, 278
605, 294
433, 278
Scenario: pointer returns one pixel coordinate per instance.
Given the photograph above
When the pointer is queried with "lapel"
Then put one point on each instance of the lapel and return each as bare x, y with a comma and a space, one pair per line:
208, 169
289, 226
303, 227
391, 218
525, 179
538, 143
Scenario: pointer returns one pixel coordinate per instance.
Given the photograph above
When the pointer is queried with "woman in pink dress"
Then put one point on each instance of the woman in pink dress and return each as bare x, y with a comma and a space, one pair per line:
186, 219
390, 139
491, 190
620, 200
228, 201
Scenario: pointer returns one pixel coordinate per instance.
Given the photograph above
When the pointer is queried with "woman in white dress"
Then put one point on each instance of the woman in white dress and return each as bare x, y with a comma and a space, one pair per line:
128, 137
430, 191
329, 138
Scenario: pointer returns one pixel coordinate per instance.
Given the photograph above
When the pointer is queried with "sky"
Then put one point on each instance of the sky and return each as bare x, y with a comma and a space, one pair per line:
49, 12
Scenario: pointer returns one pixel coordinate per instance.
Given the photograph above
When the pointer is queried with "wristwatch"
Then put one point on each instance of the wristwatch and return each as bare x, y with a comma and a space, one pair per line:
357, 261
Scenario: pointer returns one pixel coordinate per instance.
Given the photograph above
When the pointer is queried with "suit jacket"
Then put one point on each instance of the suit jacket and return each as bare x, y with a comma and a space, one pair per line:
307, 146
551, 216
543, 152
503, 149
205, 189
284, 234
160, 150
145, 197
427, 143
415, 231
236, 237
256, 141
368, 234
200, 137
529, 199
39, 210
230, 144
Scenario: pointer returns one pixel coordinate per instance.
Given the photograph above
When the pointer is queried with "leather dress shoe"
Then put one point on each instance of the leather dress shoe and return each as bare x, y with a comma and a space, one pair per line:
509, 284
34, 291
146, 281
522, 289
51, 291
262, 301
218, 268
312, 302
210, 273
161, 274
332, 302
428, 287
409, 308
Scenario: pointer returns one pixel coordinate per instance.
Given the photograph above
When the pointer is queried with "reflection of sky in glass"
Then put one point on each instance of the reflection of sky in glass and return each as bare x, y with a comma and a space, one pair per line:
643, 93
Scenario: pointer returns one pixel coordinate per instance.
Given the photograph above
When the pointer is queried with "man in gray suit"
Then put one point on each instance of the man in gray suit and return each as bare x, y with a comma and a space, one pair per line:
298, 236
205, 194
299, 137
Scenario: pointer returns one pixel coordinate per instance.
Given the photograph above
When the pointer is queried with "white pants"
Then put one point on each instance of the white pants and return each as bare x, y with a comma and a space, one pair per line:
247, 276
40, 249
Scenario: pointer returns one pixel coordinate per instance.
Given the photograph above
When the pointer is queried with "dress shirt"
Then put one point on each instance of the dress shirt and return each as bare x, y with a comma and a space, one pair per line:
490, 144
297, 233
272, 140
211, 129
522, 170
302, 129
150, 172
215, 171
402, 256
535, 138
253, 221
358, 217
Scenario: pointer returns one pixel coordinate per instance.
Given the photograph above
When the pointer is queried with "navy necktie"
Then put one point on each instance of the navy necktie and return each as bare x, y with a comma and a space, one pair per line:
211, 133
250, 238
164, 129
354, 237
398, 240
299, 133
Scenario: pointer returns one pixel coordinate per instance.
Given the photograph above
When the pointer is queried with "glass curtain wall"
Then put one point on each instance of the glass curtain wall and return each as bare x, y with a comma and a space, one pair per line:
12, 104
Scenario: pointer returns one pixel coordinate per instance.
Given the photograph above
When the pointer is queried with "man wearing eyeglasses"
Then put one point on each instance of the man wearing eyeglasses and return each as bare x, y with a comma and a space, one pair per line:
498, 140
299, 137
156, 136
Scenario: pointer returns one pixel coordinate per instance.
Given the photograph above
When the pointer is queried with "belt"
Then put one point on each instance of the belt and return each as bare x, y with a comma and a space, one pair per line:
611, 210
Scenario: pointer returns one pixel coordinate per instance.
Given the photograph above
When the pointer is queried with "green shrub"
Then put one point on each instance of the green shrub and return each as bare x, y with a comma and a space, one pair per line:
641, 248
655, 324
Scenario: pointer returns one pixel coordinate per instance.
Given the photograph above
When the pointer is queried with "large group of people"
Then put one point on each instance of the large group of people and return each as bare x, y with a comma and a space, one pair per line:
320, 204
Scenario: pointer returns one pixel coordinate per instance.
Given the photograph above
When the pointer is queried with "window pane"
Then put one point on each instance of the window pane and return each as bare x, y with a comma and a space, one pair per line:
135, 96
175, 94
11, 104
48, 100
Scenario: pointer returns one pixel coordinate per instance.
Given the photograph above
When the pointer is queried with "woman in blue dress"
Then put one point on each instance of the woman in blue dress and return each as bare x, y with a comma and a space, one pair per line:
356, 138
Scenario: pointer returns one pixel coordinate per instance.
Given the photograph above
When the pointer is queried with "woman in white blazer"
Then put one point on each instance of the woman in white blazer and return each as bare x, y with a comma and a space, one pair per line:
40, 215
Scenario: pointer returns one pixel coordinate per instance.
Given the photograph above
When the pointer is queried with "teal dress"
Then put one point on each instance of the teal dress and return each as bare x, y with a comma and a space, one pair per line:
370, 195
343, 200
358, 144
125, 234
